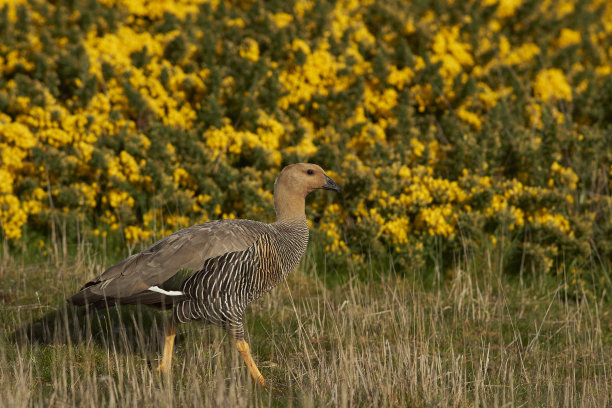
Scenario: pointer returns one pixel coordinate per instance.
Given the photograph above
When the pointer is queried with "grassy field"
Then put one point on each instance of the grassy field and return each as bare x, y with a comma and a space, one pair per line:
469, 336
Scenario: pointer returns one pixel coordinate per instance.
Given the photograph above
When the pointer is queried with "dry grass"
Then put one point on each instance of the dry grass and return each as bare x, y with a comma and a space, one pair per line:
473, 338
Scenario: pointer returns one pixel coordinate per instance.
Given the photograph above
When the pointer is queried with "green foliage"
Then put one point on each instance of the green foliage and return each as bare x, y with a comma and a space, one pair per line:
486, 123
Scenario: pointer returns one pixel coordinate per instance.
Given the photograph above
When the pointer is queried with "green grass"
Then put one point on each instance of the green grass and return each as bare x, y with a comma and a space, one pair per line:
472, 336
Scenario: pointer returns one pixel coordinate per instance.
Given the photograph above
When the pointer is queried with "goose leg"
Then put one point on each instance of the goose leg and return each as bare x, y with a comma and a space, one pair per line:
245, 352
166, 363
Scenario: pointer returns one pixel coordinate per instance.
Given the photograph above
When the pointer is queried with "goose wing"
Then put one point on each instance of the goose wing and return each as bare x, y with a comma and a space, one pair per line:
186, 249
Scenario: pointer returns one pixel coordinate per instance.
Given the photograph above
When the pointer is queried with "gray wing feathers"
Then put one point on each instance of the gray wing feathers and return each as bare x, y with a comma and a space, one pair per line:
185, 249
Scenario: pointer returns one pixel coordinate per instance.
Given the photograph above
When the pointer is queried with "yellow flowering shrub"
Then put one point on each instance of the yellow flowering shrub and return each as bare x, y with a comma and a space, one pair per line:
448, 124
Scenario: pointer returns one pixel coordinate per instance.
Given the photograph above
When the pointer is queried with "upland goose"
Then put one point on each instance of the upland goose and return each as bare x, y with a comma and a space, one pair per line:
210, 272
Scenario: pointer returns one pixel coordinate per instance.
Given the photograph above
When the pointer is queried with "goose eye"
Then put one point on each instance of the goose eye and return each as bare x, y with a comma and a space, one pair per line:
310, 172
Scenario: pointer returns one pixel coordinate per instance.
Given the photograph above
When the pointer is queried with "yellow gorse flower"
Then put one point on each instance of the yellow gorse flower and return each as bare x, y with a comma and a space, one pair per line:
552, 84
568, 37
250, 50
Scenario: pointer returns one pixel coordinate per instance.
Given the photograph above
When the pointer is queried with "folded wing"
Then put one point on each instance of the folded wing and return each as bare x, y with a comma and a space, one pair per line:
130, 280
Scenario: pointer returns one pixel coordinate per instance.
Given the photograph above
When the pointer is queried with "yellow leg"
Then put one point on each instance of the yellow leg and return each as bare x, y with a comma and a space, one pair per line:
245, 352
166, 363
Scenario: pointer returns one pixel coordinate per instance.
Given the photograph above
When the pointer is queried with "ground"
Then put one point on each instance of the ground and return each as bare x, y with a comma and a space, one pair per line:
468, 336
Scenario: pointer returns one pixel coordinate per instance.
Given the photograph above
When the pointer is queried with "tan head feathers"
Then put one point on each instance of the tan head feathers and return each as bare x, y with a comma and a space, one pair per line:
295, 182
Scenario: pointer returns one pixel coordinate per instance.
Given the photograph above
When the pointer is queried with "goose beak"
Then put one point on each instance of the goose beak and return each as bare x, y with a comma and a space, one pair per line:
330, 185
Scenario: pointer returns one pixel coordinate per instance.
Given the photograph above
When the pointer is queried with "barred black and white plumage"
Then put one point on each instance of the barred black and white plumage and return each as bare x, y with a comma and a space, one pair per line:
210, 272
221, 290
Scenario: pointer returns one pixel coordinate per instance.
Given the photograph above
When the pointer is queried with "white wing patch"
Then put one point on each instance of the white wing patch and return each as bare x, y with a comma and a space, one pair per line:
166, 292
